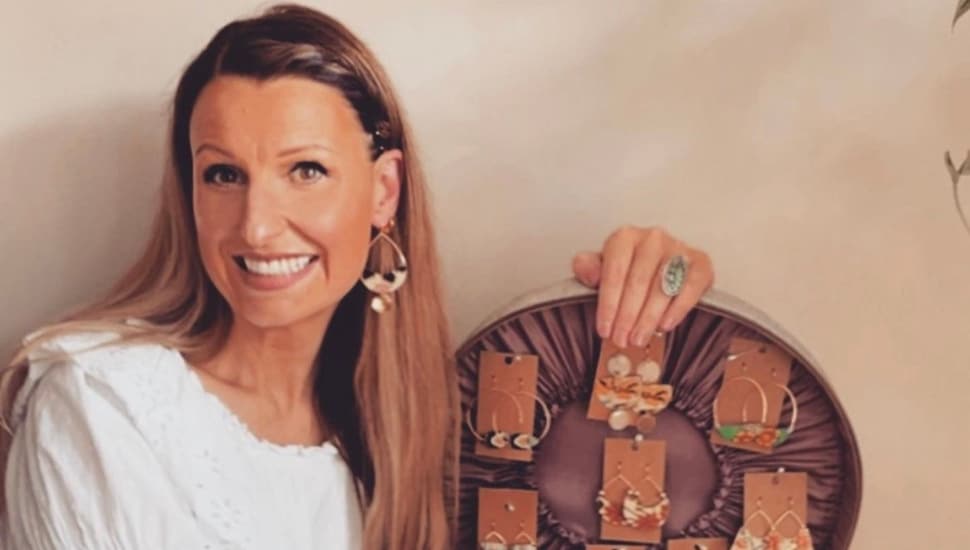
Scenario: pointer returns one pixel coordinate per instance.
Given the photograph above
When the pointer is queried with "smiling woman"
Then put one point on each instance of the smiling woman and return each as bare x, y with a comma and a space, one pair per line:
285, 195
236, 388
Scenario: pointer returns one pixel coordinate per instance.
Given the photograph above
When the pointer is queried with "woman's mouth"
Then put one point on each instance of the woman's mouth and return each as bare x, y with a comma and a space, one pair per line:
276, 273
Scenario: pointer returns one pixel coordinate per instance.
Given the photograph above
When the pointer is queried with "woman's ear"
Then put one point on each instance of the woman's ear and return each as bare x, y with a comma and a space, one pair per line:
387, 176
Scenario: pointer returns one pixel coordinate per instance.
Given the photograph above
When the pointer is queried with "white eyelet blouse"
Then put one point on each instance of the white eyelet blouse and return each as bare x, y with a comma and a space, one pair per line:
123, 448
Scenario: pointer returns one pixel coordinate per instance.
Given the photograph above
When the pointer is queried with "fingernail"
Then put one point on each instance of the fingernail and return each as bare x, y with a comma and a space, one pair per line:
620, 341
604, 329
667, 325
640, 340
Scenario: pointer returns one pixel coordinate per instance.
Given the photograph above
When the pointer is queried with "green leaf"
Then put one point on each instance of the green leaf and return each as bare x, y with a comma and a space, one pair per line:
963, 6
729, 432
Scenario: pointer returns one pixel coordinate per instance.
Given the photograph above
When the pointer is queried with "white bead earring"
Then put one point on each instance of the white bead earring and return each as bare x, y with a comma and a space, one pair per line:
384, 283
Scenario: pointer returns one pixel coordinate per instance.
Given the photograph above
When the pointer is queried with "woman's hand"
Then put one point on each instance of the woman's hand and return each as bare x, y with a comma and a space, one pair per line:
629, 273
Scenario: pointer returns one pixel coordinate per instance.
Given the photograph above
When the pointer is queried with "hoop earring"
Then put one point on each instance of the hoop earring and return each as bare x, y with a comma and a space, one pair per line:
633, 512
383, 284
744, 409
496, 438
745, 432
499, 438
523, 441
785, 433
758, 433
528, 441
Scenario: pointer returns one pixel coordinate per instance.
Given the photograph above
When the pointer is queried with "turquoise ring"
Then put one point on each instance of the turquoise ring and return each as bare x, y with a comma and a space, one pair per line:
674, 275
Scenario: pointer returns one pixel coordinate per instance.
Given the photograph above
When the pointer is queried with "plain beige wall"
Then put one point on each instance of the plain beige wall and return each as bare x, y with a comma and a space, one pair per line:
800, 143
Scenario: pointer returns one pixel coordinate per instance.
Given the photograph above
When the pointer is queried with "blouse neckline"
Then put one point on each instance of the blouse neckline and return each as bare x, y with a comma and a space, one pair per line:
237, 425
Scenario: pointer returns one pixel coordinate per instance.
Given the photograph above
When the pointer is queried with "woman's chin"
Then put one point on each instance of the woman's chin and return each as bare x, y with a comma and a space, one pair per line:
282, 314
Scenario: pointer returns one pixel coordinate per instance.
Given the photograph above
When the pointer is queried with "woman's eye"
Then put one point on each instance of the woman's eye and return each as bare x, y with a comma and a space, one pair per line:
310, 171
221, 174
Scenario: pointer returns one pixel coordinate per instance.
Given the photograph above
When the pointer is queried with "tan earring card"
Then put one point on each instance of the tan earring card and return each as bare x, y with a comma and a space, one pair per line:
653, 351
614, 547
697, 544
758, 364
510, 513
776, 492
506, 391
634, 461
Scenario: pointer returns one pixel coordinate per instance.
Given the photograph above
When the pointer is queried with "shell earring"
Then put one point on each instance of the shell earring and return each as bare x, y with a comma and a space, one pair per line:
384, 283
632, 393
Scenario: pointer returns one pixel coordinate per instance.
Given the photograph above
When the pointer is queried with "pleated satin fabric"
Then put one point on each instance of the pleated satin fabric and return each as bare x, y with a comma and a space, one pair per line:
704, 482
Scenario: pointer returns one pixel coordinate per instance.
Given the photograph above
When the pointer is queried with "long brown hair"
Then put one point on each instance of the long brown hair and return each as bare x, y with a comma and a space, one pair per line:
388, 391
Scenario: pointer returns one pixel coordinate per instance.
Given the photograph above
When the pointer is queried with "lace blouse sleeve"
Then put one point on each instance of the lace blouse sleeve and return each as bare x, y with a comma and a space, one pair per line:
81, 476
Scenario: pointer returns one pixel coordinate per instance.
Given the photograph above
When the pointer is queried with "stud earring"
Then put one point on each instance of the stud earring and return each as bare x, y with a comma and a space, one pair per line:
618, 365
733, 356
383, 284
493, 540
649, 371
523, 541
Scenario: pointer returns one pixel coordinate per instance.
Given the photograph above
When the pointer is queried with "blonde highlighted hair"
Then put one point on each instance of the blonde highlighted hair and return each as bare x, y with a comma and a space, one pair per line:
388, 392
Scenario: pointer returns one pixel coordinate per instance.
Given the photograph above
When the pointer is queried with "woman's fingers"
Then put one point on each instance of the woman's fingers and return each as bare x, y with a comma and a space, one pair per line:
629, 272
617, 258
638, 300
700, 278
587, 267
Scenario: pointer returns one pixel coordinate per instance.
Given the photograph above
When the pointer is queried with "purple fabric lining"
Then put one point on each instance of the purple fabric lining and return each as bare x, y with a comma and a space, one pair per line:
704, 481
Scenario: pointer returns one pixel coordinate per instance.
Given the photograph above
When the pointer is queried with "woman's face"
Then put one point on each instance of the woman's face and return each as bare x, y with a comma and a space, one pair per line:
285, 194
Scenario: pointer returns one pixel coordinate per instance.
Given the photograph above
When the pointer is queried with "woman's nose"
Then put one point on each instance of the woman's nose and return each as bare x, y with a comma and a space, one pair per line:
263, 218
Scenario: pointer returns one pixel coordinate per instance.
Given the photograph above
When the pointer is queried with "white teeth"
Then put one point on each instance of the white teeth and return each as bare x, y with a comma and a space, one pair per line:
288, 266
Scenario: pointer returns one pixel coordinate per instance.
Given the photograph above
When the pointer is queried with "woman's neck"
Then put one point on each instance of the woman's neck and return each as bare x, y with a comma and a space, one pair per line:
274, 364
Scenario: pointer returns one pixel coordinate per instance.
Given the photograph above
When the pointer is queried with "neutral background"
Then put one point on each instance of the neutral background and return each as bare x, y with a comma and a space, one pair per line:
800, 143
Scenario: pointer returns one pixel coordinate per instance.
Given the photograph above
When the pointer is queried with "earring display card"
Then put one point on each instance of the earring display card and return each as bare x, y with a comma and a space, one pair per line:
757, 369
634, 363
511, 514
506, 401
775, 494
697, 544
634, 505
614, 547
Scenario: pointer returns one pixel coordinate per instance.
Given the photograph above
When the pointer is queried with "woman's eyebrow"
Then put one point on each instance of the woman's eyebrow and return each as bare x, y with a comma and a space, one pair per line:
282, 153
219, 150
299, 148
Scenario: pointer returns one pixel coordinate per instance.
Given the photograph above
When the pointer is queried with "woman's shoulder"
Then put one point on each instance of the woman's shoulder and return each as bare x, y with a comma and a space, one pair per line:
72, 365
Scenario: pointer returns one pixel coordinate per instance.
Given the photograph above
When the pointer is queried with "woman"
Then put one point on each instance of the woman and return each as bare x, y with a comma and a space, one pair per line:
241, 387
